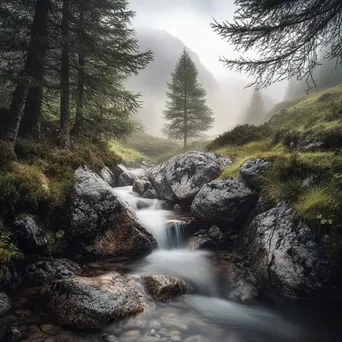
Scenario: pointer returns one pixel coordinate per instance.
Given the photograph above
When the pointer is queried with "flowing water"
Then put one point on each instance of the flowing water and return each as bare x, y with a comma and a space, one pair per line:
206, 316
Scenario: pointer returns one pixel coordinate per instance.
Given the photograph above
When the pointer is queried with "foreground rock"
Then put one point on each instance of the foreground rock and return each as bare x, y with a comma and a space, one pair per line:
284, 252
5, 304
101, 224
164, 287
226, 201
29, 235
91, 303
182, 177
50, 269
251, 171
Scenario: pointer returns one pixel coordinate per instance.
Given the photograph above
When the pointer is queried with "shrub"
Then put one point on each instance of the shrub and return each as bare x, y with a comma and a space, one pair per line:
7, 156
8, 250
241, 135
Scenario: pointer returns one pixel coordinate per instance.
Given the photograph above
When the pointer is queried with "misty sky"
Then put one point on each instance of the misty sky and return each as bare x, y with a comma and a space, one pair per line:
189, 20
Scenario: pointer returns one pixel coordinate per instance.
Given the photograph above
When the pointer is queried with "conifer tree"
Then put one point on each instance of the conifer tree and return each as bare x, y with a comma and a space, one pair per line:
187, 112
256, 110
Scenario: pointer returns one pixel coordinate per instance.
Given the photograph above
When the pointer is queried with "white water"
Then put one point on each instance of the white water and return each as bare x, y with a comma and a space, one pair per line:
196, 268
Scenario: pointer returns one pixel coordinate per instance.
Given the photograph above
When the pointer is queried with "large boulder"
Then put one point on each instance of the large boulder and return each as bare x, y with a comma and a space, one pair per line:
150, 194
108, 176
49, 269
251, 171
5, 304
163, 288
91, 303
29, 235
286, 253
102, 224
140, 186
127, 179
226, 201
182, 177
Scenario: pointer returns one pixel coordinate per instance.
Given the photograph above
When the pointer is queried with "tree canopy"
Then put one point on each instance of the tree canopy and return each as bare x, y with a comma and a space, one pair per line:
186, 112
286, 35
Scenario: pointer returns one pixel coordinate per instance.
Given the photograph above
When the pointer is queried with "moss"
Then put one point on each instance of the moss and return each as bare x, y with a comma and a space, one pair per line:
7, 156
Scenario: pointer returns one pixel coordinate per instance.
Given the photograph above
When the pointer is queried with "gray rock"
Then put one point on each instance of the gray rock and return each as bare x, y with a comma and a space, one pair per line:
127, 179
10, 279
201, 242
196, 338
251, 171
29, 235
49, 269
164, 287
285, 252
12, 334
102, 222
90, 303
226, 201
108, 176
5, 304
181, 177
140, 186
150, 194
109, 338
216, 235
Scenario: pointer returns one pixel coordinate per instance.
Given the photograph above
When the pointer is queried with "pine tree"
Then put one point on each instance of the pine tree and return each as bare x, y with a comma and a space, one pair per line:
256, 110
186, 110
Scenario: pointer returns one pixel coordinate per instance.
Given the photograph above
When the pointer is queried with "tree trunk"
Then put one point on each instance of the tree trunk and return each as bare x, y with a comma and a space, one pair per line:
34, 62
65, 79
185, 115
80, 81
30, 124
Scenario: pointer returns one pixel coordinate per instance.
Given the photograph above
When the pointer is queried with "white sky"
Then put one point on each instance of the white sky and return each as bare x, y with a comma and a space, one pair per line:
189, 20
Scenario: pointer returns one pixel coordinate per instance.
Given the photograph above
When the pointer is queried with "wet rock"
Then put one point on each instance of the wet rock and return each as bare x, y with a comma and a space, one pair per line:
164, 287
127, 179
201, 242
251, 171
181, 177
285, 252
217, 236
29, 235
226, 201
140, 186
5, 304
49, 269
12, 334
100, 224
166, 205
118, 170
109, 338
10, 279
196, 338
50, 329
108, 176
90, 303
150, 194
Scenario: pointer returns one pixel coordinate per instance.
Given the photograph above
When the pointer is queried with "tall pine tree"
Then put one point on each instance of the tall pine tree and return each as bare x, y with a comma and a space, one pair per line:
255, 113
187, 112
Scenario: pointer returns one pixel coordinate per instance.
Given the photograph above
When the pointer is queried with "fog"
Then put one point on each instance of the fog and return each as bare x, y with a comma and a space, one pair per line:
167, 27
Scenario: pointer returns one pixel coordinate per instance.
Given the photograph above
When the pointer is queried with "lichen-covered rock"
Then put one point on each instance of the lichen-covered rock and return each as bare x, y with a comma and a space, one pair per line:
140, 186
150, 194
181, 177
163, 288
45, 270
29, 235
5, 304
108, 176
285, 252
127, 179
201, 242
91, 303
251, 171
226, 201
103, 223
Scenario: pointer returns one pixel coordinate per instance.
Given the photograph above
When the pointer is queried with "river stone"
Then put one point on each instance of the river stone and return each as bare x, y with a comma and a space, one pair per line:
140, 186
5, 304
29, 235
150, 194
49, 269
285, 252
108, 176
127, 179
103, 223
163, 288
182, 177
196, 338
201, 242
226, 201
251, 171
91, 303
